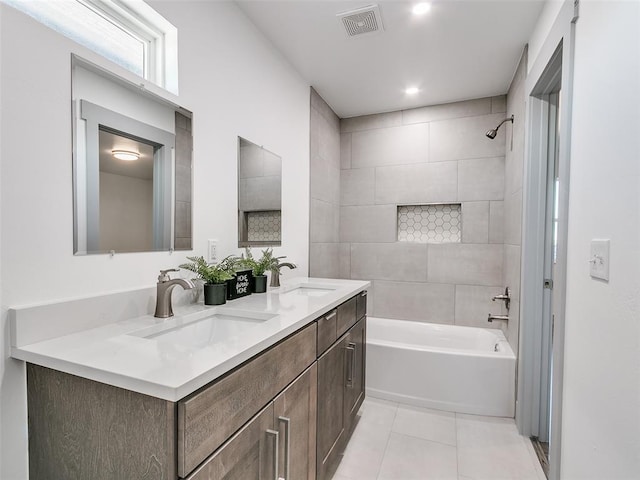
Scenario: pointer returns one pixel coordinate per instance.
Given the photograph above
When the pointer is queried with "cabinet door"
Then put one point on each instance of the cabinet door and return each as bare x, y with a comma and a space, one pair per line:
331, 389
249, 455
355, 367
295, 420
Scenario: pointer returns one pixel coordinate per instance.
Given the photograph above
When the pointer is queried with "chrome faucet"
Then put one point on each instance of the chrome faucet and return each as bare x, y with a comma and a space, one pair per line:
491, 318
275, 273
164, 288
506, 297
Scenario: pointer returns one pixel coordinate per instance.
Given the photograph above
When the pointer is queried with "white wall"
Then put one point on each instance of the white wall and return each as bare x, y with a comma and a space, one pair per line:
601, 411
233, 81
601, 404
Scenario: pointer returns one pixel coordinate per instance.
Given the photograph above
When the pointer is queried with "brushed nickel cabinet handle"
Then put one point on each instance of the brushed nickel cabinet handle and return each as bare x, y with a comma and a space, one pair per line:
331, 315
351, 349
363, 294
287, 445
276, 448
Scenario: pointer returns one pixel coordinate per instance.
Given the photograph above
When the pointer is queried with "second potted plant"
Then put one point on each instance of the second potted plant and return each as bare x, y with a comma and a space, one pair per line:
214, 277
259, 268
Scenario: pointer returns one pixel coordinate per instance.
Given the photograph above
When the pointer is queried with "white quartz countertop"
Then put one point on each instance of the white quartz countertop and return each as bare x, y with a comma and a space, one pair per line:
171, 358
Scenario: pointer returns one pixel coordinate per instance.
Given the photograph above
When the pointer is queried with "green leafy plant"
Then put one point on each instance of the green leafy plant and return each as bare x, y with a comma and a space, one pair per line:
259, 267
211, 273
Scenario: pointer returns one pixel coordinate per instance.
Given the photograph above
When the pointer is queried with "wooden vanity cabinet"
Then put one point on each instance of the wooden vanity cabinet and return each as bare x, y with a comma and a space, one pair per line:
286, 413
279, 442
341, 388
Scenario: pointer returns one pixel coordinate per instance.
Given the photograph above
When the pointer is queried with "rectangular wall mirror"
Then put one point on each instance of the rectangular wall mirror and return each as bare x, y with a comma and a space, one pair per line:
131, 166
259, 196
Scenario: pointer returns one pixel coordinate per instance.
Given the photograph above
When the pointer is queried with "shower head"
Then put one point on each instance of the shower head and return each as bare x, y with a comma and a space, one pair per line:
492, 133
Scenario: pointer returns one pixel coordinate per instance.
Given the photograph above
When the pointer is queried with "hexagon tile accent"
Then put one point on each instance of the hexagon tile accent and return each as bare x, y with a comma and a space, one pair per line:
263, 226
437, 223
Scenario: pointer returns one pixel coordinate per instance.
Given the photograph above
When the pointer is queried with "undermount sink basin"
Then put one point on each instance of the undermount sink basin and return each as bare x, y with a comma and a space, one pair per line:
205, 328
308, 289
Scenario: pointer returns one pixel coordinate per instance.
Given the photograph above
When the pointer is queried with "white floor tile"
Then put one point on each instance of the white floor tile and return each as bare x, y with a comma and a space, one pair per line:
425, 423
492, 448
366, 448
409, 458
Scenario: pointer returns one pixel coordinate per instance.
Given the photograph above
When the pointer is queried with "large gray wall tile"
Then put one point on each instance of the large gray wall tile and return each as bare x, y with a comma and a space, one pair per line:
513, 218
325, 221
368, 224
345, 150
389, 261
345, 260
357, 186
420, 183
424, 302
318, 103
324, 260
369, 122
512, 269
465, 138
475, 222
468, 108
324, 140
481, 179
499, 104
272, 164
473, 304
325, 183
390, 146
496, 222
465, 264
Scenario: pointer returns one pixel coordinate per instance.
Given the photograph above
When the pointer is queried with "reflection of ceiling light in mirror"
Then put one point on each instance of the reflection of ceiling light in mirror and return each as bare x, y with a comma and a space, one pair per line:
412, 90
421, 8
125, 155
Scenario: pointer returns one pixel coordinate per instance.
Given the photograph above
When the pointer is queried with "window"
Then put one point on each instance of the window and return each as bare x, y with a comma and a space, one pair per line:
127, 32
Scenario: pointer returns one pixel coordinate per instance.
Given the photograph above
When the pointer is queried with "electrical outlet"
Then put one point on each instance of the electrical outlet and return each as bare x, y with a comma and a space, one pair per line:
212, 251
599, 259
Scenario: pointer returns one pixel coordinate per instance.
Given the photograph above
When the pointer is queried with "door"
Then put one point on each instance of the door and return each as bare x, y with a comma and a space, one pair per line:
295, 420
550, 258
249, 455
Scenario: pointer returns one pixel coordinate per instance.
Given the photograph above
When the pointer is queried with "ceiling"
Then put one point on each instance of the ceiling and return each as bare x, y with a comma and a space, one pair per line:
461, 49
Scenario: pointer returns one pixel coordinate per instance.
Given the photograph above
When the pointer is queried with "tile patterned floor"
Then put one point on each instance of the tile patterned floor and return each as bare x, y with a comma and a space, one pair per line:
400, 442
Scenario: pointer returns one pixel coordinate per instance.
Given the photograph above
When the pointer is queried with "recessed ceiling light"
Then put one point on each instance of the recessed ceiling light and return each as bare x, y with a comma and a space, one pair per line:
421, 8
412, 90
125, 155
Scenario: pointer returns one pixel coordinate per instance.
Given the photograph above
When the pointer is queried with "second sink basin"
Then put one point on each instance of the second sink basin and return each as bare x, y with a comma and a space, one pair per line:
308, 289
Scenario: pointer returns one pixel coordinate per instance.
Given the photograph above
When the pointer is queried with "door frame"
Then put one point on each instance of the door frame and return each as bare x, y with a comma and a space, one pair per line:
553, 65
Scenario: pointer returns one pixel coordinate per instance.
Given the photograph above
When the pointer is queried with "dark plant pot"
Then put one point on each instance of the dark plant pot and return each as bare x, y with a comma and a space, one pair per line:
259, 284
215, 293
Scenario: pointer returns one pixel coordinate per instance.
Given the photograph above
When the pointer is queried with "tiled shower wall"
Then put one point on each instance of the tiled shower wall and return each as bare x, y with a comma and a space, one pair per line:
514, 164
436, 154
324, 190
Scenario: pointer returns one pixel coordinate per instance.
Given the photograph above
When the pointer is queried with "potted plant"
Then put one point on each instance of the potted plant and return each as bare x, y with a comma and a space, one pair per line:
259, 268
214, 277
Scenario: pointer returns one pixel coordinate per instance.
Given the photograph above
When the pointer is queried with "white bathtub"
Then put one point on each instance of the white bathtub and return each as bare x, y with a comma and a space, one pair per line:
446, 367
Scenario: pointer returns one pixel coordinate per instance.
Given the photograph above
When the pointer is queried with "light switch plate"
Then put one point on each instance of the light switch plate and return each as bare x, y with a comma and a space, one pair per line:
599, 261
212, 251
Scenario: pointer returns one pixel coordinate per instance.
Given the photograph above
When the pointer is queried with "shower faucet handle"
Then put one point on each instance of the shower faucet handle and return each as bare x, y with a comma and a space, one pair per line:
506, 297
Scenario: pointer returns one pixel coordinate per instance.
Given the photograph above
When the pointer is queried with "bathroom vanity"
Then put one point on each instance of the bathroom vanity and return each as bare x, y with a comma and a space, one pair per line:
265, 387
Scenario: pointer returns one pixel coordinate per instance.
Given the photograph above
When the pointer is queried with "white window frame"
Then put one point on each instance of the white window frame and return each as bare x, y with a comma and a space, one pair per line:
138, 19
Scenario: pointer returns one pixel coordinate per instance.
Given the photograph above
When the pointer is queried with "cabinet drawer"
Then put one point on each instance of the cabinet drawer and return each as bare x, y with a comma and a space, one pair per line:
207, 418
361, 305
346, 316
327, 330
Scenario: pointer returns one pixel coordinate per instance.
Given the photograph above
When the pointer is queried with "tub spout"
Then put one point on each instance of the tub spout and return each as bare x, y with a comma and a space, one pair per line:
491, 318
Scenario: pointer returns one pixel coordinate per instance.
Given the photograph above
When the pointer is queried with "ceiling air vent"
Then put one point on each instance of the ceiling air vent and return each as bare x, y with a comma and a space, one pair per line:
362, 21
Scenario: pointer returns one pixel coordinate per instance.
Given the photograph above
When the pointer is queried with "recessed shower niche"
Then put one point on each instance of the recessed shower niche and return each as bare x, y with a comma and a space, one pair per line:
430, 223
